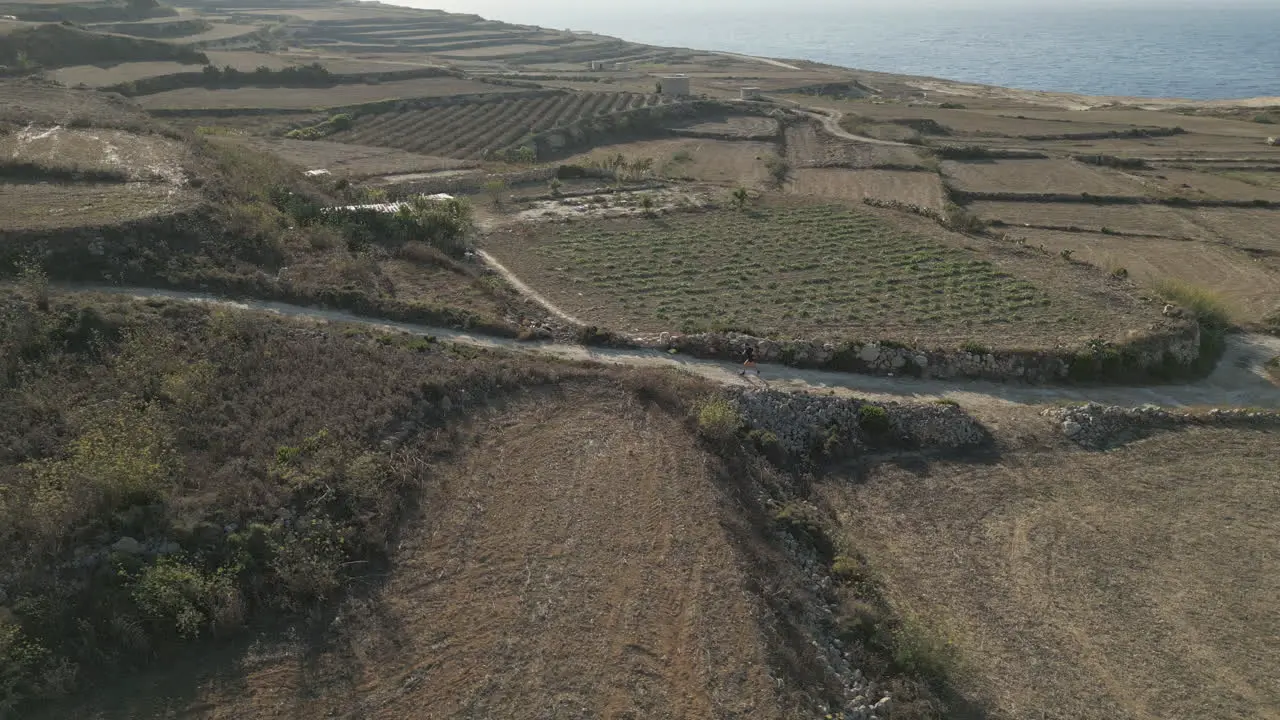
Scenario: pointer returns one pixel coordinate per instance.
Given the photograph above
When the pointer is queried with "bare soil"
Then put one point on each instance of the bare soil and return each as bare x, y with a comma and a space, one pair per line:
1138, 583
808, 146
1039, 176
922, 189
1157, 220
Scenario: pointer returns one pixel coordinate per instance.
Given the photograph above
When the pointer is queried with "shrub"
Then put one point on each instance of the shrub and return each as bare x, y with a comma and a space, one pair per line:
952, 106
803, 523
873, 419
718, 419
975, 347
779, 170
182, 599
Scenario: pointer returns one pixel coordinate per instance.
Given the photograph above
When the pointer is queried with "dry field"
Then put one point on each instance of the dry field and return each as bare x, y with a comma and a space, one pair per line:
794, 270
95, 77
219, 31
30, 103
1204, 186
1253, 229
1039, 176
471, 129
923, 189
1138, 584
1147, 118
575, 557
720, 161
43, 206
353, 160
139, 157
971, 122
306, 98
1249, 286
807, 146
745, 127
1135, 219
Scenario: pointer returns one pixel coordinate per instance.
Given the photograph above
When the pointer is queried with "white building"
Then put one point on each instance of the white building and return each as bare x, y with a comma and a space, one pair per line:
750, 93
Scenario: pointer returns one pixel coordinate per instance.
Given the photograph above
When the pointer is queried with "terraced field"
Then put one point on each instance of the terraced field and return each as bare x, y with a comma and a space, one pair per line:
800, 270
1040, 176
468, 130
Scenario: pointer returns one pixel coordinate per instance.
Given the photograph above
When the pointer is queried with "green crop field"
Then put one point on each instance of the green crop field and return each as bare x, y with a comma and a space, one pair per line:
788, 271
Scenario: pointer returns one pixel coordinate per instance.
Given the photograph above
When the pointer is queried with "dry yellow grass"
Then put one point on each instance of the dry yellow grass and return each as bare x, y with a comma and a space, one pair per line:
1137, 584
1250, 287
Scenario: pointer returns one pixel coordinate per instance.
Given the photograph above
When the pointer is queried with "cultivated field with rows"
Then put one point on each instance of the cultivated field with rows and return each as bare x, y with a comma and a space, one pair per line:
469, 130
803, 270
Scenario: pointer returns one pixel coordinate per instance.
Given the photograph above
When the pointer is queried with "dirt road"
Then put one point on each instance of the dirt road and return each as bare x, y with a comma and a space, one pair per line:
1238, 381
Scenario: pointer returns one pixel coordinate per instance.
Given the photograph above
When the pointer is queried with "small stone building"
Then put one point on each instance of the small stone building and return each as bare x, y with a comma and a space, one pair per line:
675, 85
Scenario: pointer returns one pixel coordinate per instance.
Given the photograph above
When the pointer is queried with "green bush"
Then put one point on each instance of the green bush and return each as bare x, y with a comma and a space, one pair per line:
873, 419
718, 419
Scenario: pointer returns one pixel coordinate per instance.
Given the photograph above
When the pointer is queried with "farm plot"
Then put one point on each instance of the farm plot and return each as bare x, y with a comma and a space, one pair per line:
922, 189
791, 270
1250, 288
718, 161
1039, 176
469, 130
354, 160
94, 76
304, 98
1131, 219
1243, 228
807, 146
742, 127
1205, 186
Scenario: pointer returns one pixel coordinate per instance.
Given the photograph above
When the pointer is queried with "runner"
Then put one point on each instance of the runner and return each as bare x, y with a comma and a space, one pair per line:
749, 363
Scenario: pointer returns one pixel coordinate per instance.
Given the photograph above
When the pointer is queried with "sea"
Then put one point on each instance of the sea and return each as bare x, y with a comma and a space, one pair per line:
1196, 49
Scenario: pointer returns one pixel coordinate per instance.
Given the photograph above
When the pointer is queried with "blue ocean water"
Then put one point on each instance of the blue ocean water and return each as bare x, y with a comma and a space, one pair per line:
1211, 49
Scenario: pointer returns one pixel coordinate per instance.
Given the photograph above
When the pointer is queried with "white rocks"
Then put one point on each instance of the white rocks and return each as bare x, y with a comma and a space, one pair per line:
921, 361
1072, 428
870, 353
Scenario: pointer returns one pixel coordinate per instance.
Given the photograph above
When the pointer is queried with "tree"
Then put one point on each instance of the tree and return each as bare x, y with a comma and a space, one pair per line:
555, 185
740, 196
646, 202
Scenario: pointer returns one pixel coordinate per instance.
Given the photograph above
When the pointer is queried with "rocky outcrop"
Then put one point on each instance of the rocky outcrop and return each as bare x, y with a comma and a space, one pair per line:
1099, 427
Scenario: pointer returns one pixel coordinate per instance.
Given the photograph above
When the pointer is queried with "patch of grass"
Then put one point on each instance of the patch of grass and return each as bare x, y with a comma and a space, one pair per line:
873, 419
1209, 309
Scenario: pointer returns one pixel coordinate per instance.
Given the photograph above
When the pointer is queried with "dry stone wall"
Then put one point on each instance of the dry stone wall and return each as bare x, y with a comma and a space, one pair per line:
1099, 427
1168, 348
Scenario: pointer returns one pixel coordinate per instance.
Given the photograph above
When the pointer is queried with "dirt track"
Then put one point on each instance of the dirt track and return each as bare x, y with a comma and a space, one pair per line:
1238, 381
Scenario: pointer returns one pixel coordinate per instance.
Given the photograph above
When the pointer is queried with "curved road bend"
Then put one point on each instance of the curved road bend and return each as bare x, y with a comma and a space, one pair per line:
1238, 381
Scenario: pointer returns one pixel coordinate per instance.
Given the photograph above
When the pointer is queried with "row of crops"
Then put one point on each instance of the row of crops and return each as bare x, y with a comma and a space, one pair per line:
469, 131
